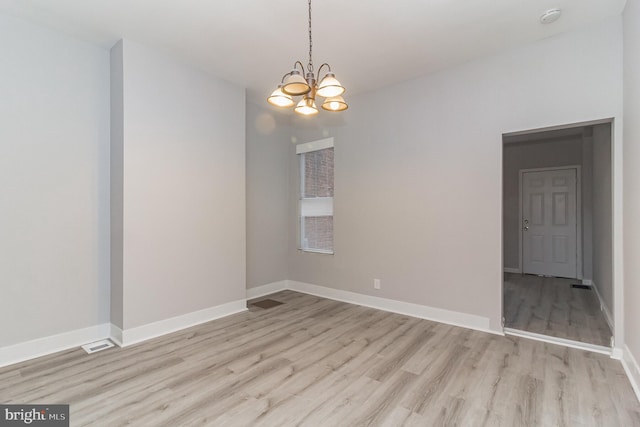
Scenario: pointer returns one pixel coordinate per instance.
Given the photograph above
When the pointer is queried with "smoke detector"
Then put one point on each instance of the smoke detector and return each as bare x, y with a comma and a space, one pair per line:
550, 16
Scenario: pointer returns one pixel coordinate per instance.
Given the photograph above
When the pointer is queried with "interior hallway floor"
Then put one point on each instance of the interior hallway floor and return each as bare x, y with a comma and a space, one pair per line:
550, 306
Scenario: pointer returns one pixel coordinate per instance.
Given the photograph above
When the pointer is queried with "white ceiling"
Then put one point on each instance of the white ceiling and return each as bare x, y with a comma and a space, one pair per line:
369, 43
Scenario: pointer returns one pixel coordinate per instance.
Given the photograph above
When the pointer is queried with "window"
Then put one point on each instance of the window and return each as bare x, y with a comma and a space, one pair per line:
316, 196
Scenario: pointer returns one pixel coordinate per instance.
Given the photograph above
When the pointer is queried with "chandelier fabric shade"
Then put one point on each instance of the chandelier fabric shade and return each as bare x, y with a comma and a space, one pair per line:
306, 107
294, 84
330, 86
280, 99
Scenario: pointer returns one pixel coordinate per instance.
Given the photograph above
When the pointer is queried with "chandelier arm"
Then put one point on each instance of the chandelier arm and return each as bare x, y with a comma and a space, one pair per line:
294, 67
319, 73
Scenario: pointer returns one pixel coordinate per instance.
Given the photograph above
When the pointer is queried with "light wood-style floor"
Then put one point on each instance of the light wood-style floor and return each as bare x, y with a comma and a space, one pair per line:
317, 362
550, 306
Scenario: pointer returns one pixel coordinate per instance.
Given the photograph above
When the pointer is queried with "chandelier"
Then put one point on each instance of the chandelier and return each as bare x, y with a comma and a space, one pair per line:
294, 84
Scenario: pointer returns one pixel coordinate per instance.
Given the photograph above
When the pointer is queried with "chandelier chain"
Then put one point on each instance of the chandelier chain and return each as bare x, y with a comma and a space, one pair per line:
310, 65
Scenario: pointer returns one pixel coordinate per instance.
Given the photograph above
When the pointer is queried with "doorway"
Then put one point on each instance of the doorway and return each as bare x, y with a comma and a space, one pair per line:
557, 235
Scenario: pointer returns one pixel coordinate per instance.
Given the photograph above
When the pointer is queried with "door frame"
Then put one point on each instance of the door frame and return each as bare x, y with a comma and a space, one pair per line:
617, 246
578, 170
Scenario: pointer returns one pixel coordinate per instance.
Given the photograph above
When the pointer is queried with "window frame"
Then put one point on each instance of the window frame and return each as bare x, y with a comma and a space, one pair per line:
321, 205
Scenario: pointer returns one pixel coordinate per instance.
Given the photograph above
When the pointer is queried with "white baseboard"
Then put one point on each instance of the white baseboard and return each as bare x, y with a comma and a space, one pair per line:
617, 353
269, 288
116, 335
632, 369
126, 337
607, 314
52, 344
464, 320
512, 270
21, 352
587, 282
558, 341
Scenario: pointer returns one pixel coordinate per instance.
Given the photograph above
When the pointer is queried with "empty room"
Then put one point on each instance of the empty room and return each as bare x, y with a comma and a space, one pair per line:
320, 213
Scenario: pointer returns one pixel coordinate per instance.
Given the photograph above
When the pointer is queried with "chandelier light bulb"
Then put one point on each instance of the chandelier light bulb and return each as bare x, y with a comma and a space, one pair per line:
335, 103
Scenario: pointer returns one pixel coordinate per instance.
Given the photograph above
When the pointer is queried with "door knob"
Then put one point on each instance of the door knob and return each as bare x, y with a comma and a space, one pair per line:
525, 228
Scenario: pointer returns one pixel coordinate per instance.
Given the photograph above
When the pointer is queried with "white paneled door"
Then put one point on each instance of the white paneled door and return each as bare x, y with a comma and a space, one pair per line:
549, 223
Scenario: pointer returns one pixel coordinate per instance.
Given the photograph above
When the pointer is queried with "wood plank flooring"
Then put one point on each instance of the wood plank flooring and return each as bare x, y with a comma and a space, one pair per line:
317, 362
549, 306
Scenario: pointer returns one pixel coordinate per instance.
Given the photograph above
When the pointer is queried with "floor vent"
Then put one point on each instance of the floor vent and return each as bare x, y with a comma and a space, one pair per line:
98, 346
586, 287
266, 303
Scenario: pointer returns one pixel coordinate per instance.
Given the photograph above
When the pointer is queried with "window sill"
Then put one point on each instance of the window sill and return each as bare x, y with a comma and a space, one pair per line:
316, 251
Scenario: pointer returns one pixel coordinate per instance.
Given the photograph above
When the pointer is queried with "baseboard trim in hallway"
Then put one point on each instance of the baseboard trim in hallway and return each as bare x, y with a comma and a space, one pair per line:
559, 341
632, 369
603, 306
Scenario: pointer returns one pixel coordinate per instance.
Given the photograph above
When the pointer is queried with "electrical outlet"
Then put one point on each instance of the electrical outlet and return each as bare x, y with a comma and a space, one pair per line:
376, 283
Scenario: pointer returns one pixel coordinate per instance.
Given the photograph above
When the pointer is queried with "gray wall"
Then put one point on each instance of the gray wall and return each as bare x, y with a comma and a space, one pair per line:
183, 188
418, 170
632, 178
54, 183
117, 183
268, 213
530, 155
602, 214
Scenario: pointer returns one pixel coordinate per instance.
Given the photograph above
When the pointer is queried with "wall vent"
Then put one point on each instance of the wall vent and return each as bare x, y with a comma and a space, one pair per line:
98, 346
